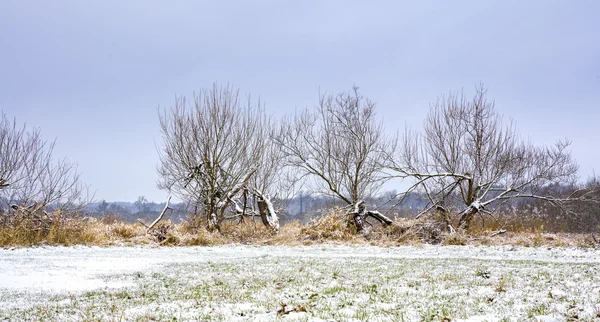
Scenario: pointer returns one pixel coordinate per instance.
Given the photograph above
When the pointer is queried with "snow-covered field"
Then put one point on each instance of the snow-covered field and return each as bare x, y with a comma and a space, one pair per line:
336, 283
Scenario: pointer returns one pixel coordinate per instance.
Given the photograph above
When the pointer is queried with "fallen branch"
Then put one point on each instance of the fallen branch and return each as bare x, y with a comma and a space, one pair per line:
159, 217
379, 217
498, 232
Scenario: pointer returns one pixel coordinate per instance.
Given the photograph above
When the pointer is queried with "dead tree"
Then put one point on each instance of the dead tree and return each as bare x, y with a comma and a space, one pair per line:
214, 148
337, 147
159, 218
468, 157
32, 181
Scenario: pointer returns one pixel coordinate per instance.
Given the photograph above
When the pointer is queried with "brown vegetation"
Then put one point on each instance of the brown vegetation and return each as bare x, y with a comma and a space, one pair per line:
330, 229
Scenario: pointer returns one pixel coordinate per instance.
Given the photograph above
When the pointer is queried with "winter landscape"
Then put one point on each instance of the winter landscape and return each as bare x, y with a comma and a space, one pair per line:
318, 283
314, 160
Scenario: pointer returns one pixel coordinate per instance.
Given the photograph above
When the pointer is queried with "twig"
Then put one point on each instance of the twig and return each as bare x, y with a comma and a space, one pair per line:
498, 232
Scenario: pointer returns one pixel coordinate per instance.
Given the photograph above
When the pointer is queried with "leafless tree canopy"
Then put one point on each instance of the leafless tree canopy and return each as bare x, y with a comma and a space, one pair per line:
31, 180
17, 149
217, 152
467, 152
338, 146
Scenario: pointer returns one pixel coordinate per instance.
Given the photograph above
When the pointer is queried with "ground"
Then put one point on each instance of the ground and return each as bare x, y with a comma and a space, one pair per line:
330, 283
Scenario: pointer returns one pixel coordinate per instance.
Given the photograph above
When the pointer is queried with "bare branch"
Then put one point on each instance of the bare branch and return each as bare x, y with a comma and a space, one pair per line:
339, 144
162, 213
466, 146
30, 175
214, 149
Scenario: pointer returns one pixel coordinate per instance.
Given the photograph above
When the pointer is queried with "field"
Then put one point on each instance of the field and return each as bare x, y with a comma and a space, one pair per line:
315, 283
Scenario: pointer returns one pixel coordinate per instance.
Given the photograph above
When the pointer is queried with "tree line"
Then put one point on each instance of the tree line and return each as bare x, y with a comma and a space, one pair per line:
227, 159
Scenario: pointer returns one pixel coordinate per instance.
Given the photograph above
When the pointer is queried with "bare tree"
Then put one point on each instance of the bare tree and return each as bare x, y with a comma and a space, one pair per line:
142, 205
338, 147
467, 155
217, 152
18, 149
31, 180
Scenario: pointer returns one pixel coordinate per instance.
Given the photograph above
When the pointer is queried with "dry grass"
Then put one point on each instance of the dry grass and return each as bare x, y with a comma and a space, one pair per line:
330, 228
61, 231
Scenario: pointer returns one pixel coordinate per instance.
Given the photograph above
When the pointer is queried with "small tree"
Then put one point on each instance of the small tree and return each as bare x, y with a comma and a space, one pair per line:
216, 152
31, 180
338, 147
17, 149
467, 155
142, 205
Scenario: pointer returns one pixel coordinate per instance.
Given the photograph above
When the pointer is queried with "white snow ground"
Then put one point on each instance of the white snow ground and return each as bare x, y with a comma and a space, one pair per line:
246, 283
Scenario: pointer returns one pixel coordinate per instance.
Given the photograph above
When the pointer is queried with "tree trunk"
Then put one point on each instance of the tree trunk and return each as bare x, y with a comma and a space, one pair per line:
467, 214
267, 212
213, 222
445, 214
358, 213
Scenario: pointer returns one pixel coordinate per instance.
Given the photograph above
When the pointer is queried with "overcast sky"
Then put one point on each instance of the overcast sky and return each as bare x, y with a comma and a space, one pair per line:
92, 73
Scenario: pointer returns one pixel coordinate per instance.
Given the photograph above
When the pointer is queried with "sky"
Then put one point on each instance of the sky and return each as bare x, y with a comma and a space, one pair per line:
93, 74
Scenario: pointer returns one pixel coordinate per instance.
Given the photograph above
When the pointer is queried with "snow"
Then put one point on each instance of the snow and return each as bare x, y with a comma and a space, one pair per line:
557, 294
78, 268
250, 283
479, 318
545, 318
